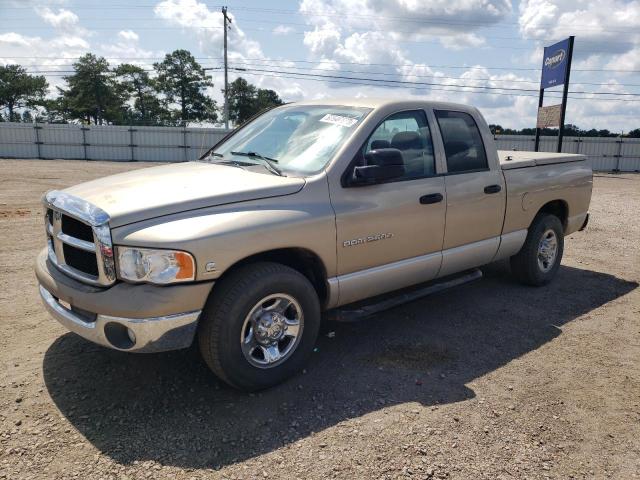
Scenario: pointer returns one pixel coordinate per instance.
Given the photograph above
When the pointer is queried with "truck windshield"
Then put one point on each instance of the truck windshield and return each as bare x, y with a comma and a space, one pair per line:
300, 139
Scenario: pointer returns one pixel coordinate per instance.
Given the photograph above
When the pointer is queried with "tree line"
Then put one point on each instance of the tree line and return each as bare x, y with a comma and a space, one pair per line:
173, 92
569, 130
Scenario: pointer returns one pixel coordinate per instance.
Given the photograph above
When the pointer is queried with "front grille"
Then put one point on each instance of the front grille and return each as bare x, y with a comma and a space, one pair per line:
81, 260
79, 239
76, 229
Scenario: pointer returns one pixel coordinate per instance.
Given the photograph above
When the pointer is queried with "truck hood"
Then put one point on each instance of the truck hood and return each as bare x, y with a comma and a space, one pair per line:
152, 192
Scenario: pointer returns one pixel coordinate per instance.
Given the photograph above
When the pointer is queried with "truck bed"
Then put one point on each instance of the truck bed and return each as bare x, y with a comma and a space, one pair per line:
510, 159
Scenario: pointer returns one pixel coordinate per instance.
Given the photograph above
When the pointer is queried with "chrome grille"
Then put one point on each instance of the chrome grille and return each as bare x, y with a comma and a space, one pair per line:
79, 239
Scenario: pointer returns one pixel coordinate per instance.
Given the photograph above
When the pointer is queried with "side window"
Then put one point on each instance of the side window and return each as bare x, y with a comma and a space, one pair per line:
408, 132
463, 144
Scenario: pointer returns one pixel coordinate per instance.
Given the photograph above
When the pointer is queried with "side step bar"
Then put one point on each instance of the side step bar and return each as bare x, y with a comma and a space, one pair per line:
360, 311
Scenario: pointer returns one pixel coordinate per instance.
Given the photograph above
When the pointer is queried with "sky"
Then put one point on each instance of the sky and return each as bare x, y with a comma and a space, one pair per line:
487, 53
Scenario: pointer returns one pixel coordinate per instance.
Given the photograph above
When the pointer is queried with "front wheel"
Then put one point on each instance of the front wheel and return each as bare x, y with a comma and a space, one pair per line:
539, 259
259, 326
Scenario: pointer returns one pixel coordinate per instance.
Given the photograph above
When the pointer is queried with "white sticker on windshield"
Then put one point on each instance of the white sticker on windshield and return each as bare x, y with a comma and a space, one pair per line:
339, 120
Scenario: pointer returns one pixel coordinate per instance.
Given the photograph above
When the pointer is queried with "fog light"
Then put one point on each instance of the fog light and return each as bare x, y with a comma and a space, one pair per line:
119, 335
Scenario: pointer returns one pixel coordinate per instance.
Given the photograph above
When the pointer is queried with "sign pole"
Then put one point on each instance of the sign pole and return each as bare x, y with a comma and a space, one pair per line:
565, 91
540, 99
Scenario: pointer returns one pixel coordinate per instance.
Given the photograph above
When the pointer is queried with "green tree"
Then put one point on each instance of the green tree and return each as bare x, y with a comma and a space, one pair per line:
139, 90
245, 100
58, 110
267, 99
18, 89
242, 96
182, 80
634, 133
92, 93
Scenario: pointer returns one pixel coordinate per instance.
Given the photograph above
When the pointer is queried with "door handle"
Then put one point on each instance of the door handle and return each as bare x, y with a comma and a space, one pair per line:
433, 198
492, 189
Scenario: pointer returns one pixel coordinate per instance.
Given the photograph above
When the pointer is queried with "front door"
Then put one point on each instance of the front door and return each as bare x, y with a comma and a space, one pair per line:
389, 235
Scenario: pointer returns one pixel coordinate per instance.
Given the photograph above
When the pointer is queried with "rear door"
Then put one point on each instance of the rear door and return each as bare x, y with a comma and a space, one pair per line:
475, 193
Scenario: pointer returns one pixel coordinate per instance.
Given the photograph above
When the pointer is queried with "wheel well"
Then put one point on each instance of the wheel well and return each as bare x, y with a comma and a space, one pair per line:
559, 208
304, 261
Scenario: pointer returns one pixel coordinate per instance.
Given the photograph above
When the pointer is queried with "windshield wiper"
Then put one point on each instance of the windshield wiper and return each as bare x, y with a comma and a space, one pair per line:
233, 163
209, 157
269, 163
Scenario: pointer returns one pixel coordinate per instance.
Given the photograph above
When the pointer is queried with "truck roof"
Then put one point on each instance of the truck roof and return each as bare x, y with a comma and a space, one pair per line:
377, 102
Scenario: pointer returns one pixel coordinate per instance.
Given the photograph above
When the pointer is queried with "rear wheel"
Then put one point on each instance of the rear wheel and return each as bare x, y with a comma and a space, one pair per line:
539, 259
259, 325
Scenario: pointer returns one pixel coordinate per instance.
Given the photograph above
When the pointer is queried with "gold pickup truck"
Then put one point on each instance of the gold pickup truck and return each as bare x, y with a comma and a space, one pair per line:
308, 209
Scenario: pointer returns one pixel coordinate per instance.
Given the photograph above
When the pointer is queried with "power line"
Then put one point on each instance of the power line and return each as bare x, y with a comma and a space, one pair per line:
434, 76
431, 88
203, 27
398, 84
455, 67
341, 15
410, 83
382, 81
441, 20
332, 62
384, 74
11, 20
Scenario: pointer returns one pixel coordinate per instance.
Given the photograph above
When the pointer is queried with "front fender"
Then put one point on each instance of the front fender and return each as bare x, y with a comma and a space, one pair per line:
226, 234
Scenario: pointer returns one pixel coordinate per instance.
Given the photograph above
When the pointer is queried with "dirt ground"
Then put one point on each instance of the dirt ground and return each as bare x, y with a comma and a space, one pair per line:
491, 380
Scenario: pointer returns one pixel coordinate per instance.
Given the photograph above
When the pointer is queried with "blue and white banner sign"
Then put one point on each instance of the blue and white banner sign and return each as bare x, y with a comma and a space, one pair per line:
554, 64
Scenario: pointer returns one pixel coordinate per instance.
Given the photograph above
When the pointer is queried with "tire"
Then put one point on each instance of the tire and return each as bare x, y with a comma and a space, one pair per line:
242, 321
532, 265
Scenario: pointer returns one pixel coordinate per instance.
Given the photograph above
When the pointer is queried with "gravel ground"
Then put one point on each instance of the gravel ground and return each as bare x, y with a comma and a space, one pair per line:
489, 380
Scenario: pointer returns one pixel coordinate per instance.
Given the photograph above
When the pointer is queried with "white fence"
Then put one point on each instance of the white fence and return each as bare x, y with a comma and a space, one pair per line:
174, 144
76, 142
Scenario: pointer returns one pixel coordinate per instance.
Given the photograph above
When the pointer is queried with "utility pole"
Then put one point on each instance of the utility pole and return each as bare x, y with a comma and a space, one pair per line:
226, 71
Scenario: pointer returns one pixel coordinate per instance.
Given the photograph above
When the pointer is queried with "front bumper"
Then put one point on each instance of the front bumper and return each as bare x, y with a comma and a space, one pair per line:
135, 318
154, 334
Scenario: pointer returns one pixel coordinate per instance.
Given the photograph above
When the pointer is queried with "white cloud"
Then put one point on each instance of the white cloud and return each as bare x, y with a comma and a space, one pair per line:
207, 26
462, 40
128, 35
42, 54
126, 49
64, 19
283, 30
193, 15
603, 28
322, 40
452, 22
18, 48
627, 61
381, 25
13, 39
343, 35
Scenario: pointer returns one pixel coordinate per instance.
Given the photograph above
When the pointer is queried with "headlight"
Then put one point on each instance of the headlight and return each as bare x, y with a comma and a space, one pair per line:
155, 266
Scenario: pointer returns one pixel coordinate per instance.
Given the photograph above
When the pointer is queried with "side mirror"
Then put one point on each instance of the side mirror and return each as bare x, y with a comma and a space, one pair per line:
382, 164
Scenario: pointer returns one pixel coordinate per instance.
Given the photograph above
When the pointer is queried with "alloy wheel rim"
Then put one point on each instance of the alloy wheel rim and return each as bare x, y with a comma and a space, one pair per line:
272, 330
547, 250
